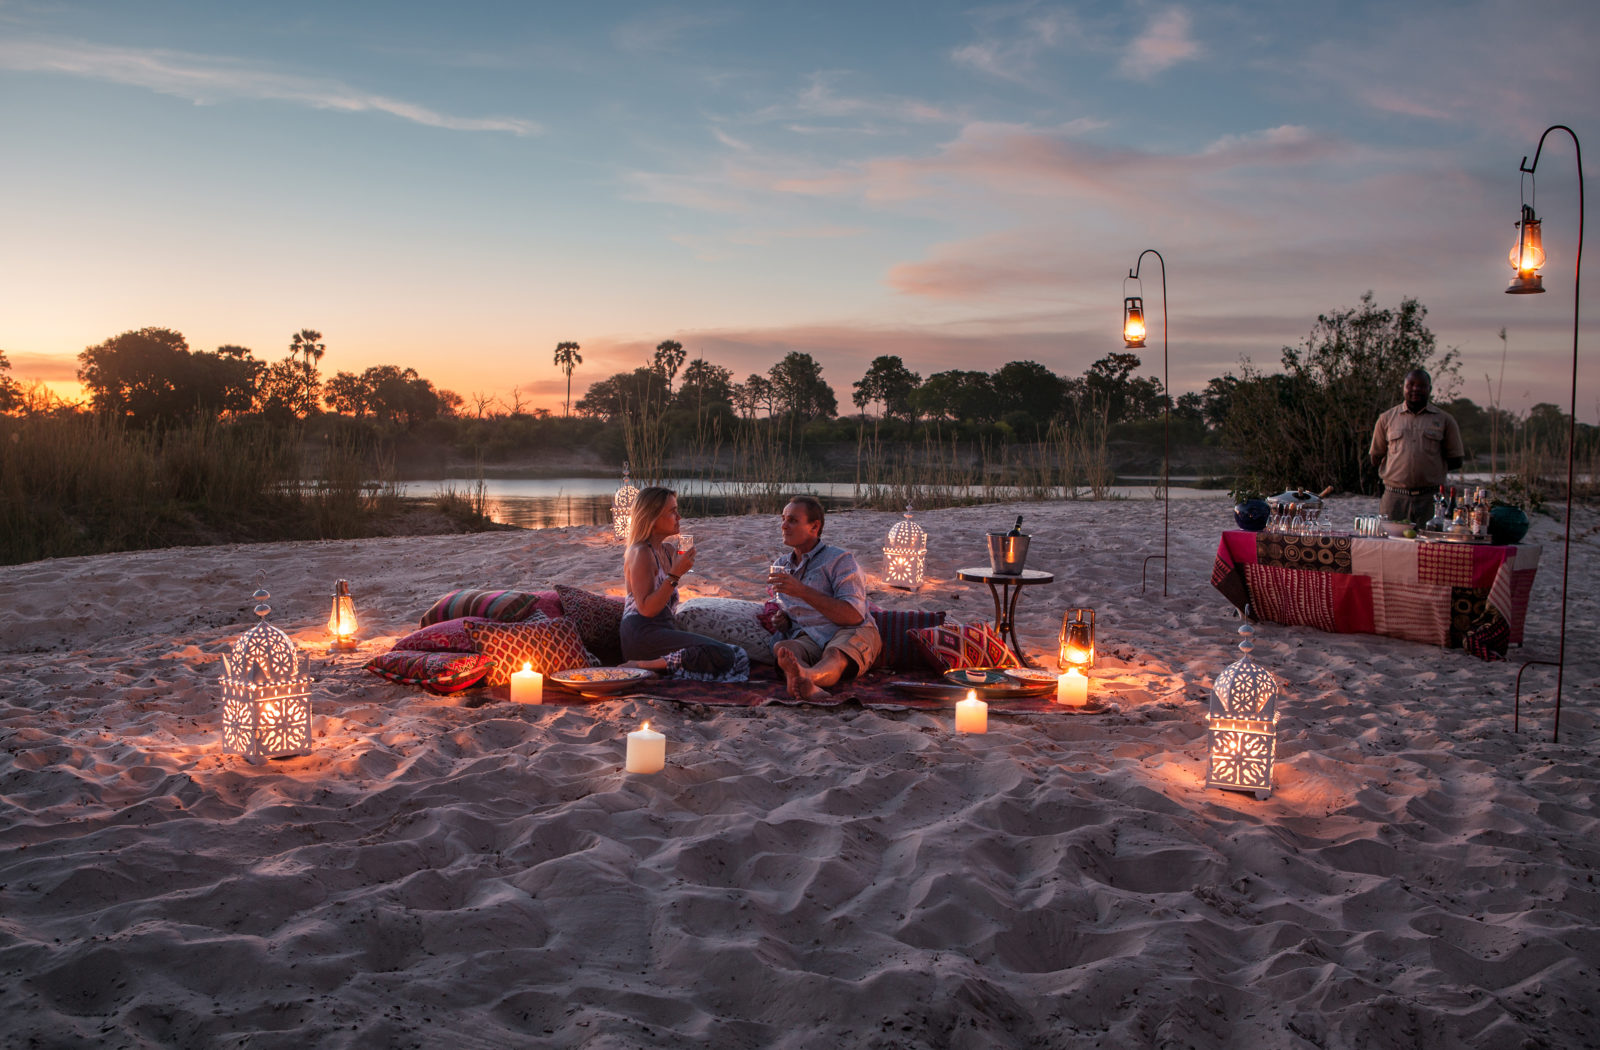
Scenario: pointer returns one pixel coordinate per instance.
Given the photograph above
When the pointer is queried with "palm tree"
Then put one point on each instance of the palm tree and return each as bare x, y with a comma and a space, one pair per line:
308, 346
568, 358
669, 358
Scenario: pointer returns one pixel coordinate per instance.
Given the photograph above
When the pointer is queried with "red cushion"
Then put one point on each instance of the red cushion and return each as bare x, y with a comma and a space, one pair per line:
434, 671
954, 645
446, 636
545, 646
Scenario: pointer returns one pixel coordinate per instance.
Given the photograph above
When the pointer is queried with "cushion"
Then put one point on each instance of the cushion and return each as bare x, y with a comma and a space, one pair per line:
598, 618
446, 636
492, 605
954, 645
727, 620
899, 652
436, 672
545, 645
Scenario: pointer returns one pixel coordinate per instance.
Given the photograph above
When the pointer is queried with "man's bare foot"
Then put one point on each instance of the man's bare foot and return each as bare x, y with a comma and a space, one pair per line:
809, 690
793, 676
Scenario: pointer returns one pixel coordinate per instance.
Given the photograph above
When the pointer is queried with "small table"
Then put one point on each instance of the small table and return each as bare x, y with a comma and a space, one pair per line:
1005, 589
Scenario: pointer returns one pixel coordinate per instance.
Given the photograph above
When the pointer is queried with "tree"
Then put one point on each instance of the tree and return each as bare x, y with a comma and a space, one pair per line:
1030, 388
705, 384
957, 394
307, 345
10, 389
1312, 424
890, 383
798, 387
669, 358
567, 358
149, 378
753, 394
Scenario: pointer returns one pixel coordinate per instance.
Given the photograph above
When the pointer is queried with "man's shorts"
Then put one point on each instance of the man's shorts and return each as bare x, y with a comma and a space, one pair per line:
861, 643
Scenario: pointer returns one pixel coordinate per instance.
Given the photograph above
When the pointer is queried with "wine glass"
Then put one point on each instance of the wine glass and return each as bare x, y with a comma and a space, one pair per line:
780, 563
684, 543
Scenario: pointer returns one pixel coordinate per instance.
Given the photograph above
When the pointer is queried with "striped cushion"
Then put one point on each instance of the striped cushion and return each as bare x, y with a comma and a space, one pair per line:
433, 671
954, 645
446, 636
503, 605
546, 646
900, 652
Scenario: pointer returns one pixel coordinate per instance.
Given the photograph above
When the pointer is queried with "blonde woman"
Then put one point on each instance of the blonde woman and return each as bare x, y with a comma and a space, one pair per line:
651, 570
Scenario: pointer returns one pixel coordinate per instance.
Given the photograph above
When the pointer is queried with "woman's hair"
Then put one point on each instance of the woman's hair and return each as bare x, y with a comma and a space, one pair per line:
646, 509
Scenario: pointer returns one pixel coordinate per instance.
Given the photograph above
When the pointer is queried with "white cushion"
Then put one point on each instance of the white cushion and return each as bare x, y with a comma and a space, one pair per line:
728, 620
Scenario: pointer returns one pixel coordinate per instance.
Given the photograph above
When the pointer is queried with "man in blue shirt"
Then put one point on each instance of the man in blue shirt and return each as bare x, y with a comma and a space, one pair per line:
824, 598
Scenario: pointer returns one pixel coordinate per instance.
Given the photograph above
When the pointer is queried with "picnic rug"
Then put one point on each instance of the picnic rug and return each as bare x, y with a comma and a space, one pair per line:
766, 687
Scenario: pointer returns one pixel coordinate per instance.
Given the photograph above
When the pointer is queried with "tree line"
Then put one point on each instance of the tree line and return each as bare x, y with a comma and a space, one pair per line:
1309, 421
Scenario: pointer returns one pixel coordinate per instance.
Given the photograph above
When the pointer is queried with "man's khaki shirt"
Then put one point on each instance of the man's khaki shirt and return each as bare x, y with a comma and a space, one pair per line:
1413, 446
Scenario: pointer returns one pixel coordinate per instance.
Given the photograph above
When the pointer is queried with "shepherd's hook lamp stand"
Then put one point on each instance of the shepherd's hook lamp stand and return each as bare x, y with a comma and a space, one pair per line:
1526, 258
1133, 338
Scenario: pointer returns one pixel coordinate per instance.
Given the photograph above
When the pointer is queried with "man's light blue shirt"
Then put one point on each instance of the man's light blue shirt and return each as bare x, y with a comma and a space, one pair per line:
833, 571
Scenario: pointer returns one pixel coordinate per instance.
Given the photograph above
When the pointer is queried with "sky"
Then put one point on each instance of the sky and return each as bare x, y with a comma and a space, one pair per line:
458, 188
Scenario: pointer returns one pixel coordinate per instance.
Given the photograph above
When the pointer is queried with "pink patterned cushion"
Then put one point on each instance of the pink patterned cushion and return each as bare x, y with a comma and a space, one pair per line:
502, 605
435, 672
598, 618
446, 636
545, 646
953, 645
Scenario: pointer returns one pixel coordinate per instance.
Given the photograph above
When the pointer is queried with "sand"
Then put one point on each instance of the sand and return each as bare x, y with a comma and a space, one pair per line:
441, 874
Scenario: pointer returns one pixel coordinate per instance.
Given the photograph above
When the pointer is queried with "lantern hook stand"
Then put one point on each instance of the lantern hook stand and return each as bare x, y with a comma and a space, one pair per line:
1166, 426
1559, 663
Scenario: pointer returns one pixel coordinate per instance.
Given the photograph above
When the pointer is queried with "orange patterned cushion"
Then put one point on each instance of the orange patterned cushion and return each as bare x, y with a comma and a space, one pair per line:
954, 645
546, 646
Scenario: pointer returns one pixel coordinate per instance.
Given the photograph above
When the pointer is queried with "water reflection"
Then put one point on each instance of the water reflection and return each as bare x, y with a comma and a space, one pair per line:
552, 503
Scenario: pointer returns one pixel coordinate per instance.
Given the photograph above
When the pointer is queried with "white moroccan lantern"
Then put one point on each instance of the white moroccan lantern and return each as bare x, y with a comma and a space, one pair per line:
1243, 724
266, 699
622, 506
906, 553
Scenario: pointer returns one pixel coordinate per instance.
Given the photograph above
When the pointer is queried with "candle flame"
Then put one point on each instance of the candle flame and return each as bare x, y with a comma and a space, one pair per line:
644, 727
972, 694
526, 666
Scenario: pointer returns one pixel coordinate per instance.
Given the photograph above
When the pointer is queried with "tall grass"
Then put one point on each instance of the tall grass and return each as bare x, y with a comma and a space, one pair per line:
74, 484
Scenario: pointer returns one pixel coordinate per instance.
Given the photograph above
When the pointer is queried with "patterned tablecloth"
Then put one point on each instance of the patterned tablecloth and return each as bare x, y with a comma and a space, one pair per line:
1449, 594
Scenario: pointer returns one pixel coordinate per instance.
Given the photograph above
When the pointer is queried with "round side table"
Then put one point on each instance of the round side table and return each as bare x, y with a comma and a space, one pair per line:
1005, 589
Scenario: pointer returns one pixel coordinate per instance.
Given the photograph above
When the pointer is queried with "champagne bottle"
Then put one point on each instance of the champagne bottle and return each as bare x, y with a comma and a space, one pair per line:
1016, 530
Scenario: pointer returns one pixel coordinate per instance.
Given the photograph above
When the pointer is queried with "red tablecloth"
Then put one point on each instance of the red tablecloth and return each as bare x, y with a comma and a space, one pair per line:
1450, 594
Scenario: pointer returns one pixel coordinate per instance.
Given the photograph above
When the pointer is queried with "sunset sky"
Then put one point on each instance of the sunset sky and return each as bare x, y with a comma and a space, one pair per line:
458, 188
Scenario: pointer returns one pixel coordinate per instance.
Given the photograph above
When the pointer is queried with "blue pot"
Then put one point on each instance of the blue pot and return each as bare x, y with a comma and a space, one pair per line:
1507, 525
1252, 514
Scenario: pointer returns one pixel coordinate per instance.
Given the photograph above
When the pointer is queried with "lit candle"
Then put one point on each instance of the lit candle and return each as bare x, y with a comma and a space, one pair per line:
527, 686
1072, 688
972, 714
647, 750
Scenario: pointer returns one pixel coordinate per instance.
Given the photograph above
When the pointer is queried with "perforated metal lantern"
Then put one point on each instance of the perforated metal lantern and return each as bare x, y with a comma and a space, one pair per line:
342, 619
906, 554
622, 506
266, 696
1075, 645
1243, 724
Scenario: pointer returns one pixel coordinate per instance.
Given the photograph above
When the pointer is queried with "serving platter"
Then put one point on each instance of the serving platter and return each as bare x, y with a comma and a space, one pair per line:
600, 679
1451, 537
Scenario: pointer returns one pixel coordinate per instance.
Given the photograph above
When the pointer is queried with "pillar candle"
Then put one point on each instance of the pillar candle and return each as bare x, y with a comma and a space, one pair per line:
1072, 688
647, 750
972, 715
527, 686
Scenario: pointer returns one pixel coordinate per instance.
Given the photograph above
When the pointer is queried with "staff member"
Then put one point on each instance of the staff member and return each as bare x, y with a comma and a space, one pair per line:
1415, 445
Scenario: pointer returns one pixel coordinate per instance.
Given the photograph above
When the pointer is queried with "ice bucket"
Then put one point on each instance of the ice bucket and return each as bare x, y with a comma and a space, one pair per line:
1007, 553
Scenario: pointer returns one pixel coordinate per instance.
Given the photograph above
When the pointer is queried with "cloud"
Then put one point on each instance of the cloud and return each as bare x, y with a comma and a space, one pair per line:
207, 80
662, 31
51, 368
1014, 53
1160, 47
